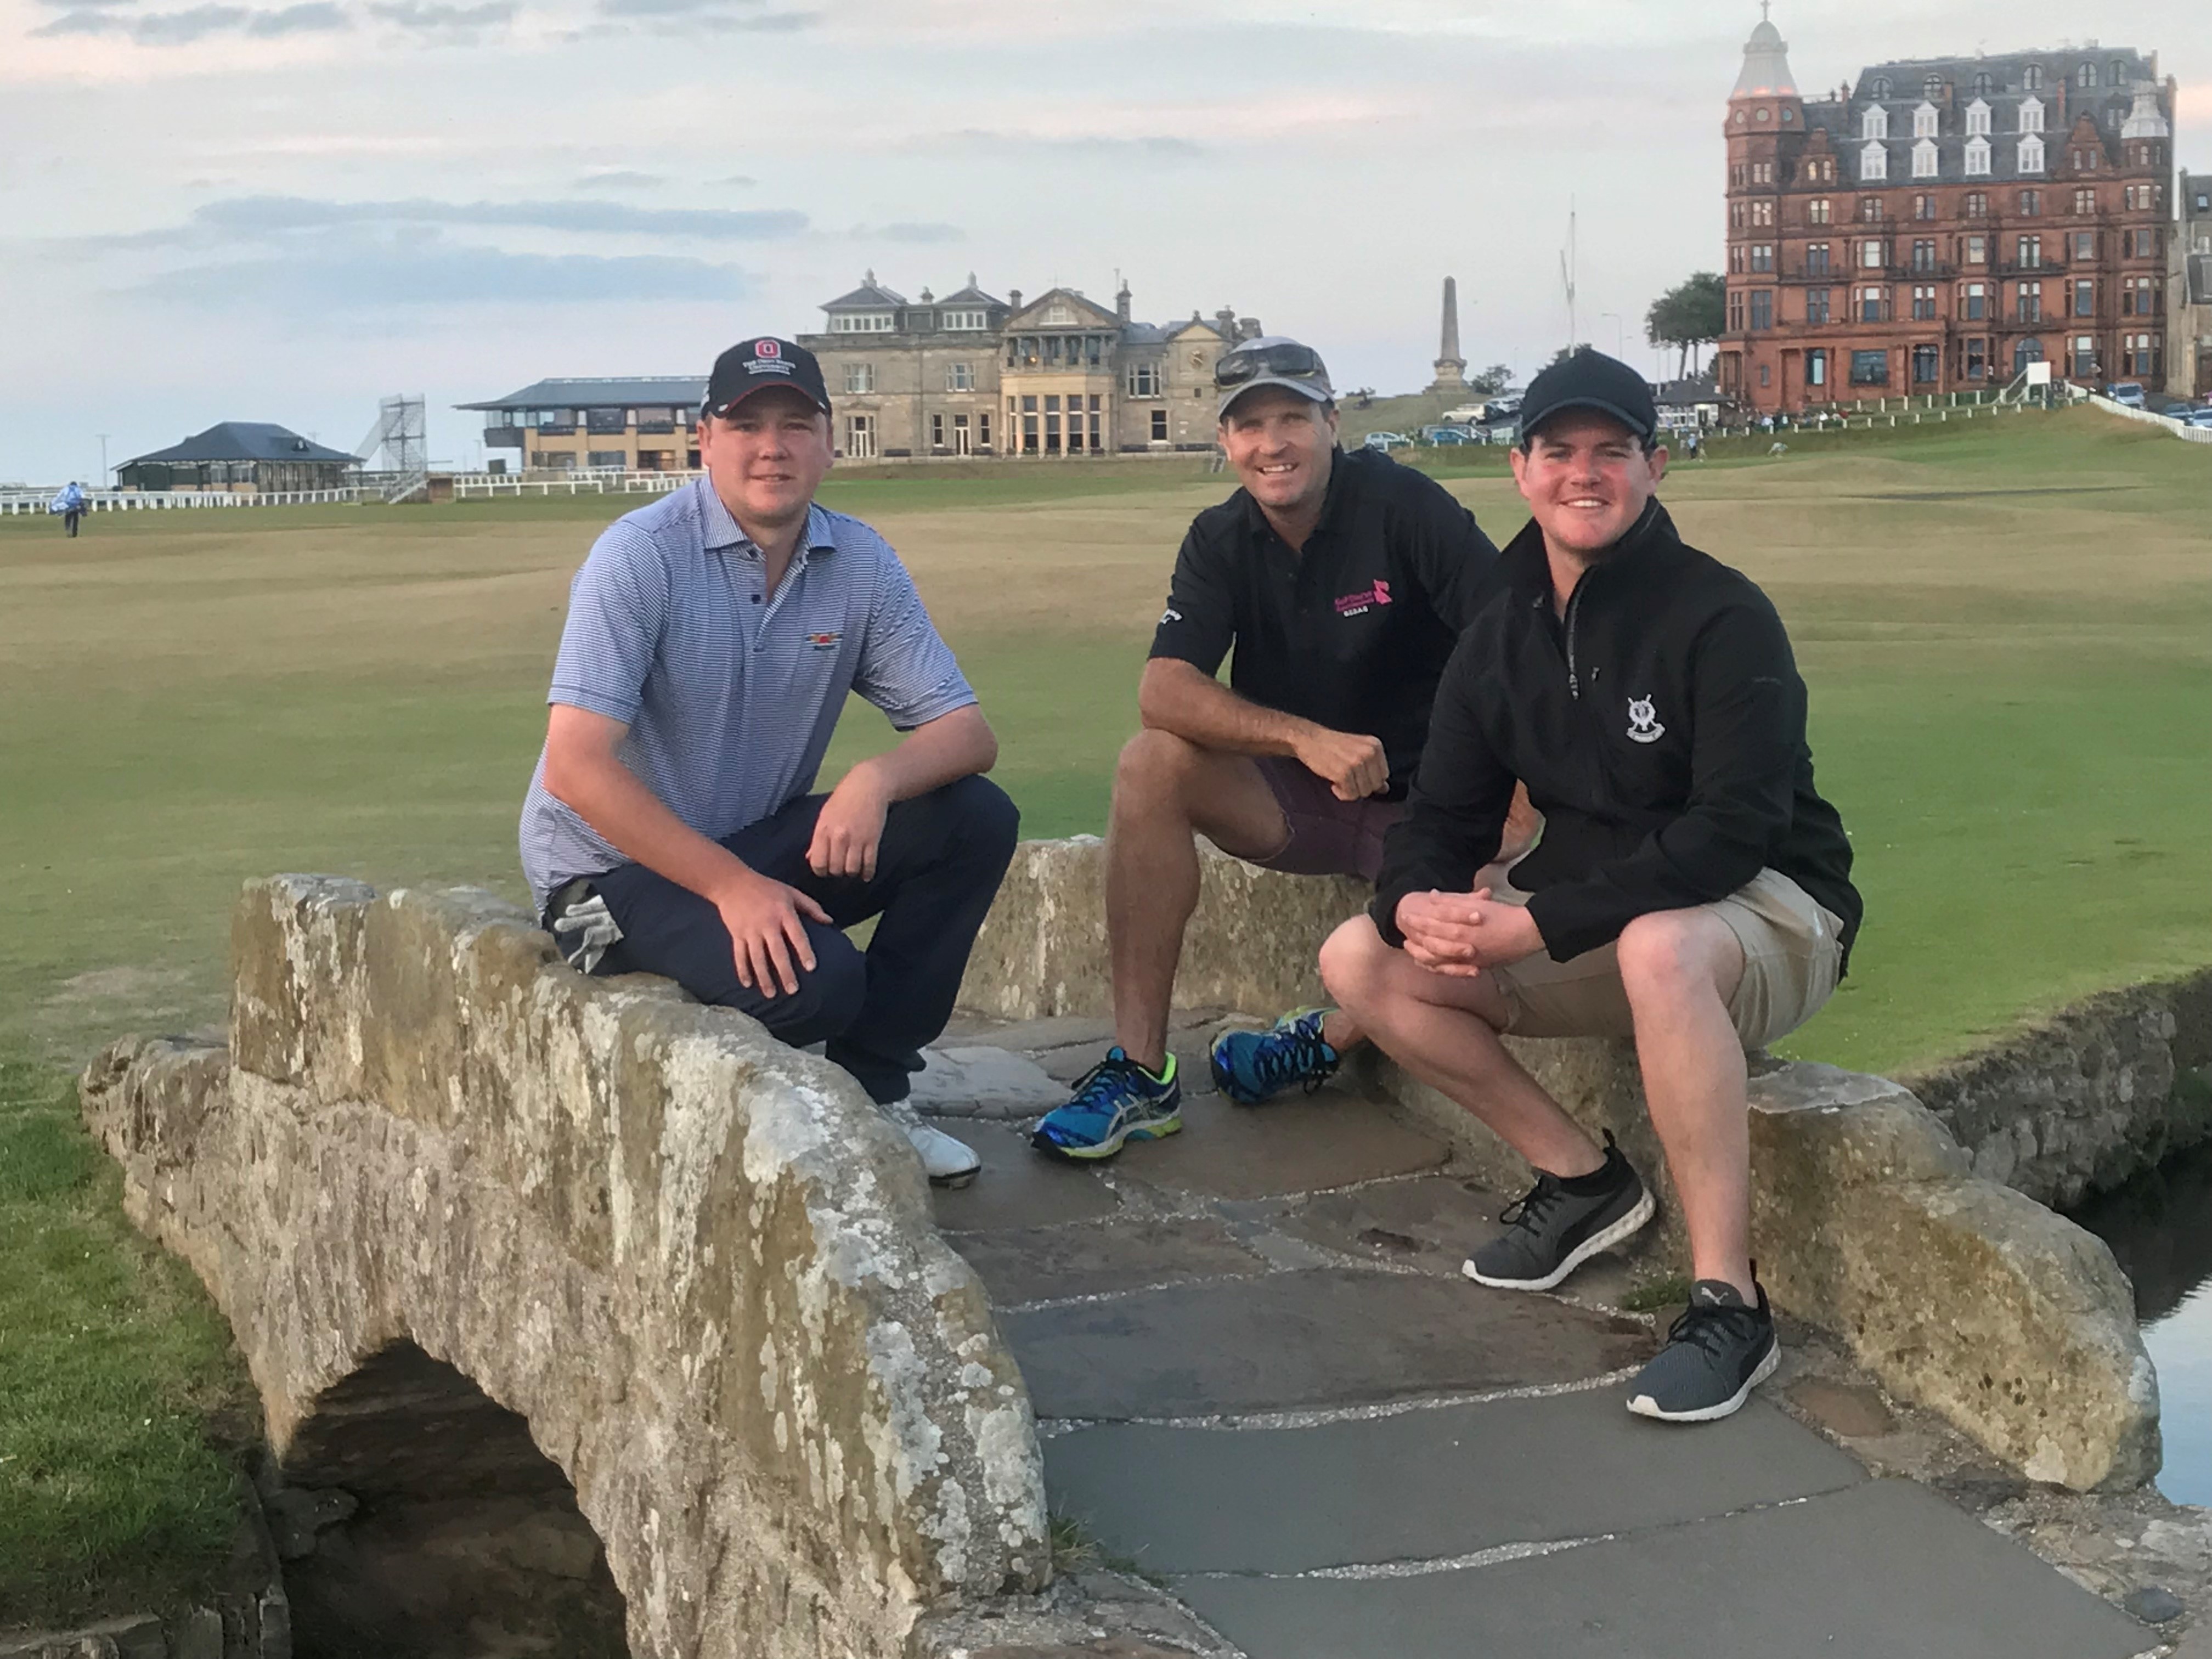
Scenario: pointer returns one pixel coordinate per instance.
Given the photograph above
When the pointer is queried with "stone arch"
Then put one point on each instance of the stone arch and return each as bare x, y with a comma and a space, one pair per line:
423, 1521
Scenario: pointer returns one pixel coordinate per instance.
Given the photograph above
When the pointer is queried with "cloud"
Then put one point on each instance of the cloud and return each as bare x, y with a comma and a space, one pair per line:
620, 180
1159, 147
717, 16
178, 28
912, 233
262, 216
739, 181
437, 19
345, 274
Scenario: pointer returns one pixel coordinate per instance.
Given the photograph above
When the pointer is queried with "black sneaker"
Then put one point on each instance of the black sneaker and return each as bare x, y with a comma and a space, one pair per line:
1717, 1353
1557, 1225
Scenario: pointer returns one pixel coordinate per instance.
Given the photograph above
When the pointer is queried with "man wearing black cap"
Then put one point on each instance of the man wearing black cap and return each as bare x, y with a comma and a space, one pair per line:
711, 638
1340, 580
1692, 890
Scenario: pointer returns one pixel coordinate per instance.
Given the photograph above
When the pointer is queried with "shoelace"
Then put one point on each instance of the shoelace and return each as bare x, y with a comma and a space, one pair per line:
1296, 1053
1529, 1209
1094, 1089
1707, 1327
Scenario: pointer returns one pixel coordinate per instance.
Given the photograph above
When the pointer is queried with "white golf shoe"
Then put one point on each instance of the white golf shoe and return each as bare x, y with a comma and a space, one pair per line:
946, 1161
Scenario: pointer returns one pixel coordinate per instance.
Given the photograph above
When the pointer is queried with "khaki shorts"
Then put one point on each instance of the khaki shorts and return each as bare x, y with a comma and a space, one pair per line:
1792, 953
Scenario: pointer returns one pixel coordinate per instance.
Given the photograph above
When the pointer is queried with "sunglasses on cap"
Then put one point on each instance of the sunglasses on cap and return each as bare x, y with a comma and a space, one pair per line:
1292, 362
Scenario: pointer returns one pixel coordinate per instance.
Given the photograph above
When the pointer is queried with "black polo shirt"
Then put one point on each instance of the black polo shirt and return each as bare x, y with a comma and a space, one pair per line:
1351, 633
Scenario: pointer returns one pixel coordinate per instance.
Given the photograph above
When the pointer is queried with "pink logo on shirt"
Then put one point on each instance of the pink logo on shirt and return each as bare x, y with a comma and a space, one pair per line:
1354, 605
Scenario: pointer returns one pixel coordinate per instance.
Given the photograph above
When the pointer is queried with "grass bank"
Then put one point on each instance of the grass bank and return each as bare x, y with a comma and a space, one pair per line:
123, 1407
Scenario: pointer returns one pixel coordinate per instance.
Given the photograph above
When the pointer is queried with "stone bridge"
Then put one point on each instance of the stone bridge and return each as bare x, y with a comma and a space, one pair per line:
629, 1329
491, 1233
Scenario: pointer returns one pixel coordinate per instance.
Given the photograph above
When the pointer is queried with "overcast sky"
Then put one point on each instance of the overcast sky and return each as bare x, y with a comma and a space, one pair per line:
279, 210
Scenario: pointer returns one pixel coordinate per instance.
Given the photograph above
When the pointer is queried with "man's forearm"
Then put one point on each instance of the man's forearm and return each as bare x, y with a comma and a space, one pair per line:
950, 747
611, 799
1174, 696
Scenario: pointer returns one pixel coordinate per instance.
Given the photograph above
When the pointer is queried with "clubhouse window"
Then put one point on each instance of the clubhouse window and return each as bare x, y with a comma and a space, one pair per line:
1144, 379
1977, 204
1762, 213
1816, 304
1816, 368
2031, 203
1765, 375
1873, 305
2085, 244
1870, 210
1816, 260
2030, 252
1872, 255
2085, 202
859, 377
983, 428
1762, 257
2085, 298
1927, 364
1159, 426
1977, 250
2085, 357
1870, 369
936, 431
960, 376
1817, 211
1978, 360
1974, 302
1762, 308
1923, 255
1923, 207
2028, 302
1923, 305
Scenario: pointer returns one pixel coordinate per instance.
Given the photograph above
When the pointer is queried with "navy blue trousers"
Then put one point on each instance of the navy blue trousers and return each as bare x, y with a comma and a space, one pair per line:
943, 856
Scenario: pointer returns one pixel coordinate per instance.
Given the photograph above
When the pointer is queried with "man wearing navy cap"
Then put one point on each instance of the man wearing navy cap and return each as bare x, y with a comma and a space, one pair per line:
1692, 890
670, 826
1340, 581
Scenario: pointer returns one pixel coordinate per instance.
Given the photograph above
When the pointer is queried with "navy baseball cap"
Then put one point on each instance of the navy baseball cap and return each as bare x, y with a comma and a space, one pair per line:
1590, 380
748, 365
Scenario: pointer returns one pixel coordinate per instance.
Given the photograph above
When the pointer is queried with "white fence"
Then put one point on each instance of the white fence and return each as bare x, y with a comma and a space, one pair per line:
610, 480
149, 501
2181, 430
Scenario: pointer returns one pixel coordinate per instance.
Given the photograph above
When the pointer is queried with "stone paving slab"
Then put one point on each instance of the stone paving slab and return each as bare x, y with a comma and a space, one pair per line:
1018, 1186
1444, 1482
985, 1082
1031, 1264
1431, 1221
1883, 1570
1325, 1139
1315, 1337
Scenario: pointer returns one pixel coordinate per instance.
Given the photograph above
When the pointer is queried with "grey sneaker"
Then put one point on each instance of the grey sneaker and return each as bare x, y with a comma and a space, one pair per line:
1552, 1231
1717, 1353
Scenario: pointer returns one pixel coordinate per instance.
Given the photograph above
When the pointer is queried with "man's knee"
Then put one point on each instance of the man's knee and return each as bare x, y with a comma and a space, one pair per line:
985, 817
1353, 960
1155, 766
1668, 953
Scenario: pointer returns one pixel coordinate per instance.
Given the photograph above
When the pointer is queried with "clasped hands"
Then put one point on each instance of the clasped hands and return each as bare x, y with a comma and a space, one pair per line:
767, 918
1460, 934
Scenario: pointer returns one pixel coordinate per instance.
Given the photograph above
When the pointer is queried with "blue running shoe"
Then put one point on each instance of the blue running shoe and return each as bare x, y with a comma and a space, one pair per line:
1252, 1067
1116, 1100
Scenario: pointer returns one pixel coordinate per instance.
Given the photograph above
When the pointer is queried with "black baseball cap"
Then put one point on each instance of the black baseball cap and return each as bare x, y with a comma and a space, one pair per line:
748, 365
1590, 380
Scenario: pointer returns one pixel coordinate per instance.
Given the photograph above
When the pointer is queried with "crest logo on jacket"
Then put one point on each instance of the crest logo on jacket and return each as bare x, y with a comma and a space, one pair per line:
1644, 721
1359, 604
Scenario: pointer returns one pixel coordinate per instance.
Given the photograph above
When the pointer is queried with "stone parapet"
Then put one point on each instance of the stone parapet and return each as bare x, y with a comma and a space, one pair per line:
2096, 1093
697, 1263
1869, 1218
1252, 945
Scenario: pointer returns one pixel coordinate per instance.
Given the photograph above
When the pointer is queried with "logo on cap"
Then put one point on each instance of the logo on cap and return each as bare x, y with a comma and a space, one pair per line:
767, 348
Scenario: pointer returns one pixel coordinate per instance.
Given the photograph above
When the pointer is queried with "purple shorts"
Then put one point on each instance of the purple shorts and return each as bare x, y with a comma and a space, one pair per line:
1328, 837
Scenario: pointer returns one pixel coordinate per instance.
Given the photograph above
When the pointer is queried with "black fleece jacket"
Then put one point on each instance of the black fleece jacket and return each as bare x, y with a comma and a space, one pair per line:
1660, 726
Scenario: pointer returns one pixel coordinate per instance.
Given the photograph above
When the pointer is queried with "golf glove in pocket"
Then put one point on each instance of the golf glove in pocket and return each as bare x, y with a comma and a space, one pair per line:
585, 931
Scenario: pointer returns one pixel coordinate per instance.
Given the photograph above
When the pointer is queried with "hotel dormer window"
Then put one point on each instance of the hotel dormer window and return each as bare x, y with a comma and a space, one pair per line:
1874, 123
2031, 155
1924, 120
2031, 115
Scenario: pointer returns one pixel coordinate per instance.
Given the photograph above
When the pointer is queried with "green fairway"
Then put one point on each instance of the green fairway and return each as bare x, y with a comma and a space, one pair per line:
2004, 624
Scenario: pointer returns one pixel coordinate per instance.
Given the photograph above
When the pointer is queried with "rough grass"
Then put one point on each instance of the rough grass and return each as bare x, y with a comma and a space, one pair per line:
121, 1406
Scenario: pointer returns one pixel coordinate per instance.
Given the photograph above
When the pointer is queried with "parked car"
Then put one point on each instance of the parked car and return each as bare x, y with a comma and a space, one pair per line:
1387, 440
1448, 434
2175, 409
2200, 417
2129, 392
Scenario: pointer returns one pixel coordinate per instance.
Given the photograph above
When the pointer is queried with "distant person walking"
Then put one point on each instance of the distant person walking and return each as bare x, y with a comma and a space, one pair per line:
1692, 891
69, 503
671, 826
1339, 580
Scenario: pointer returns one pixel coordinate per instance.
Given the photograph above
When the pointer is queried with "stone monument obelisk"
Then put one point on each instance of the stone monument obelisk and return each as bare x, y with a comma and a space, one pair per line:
1451, 368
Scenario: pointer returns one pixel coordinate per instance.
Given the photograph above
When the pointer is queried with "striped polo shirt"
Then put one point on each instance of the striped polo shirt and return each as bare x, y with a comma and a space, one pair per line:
729, 692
